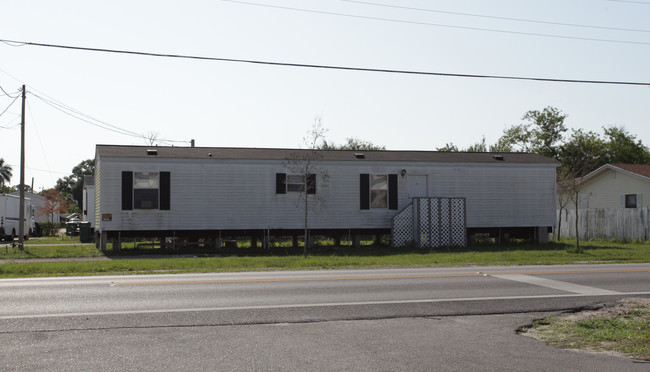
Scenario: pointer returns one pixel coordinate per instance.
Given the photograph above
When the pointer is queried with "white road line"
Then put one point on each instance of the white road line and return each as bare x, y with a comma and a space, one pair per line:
556, 284
298, 306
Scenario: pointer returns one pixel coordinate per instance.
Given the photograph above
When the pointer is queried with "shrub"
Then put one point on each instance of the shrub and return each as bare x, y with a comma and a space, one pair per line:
50, 228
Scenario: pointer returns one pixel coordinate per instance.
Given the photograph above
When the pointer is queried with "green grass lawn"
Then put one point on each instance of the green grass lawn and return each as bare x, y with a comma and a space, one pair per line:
243, 259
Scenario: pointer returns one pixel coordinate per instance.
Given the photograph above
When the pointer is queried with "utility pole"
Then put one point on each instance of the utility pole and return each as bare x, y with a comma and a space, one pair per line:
21, 227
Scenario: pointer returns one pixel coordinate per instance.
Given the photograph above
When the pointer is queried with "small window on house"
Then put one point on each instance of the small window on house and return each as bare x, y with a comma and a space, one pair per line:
295, 183
145, 190
378, 191
630, 201
285, 183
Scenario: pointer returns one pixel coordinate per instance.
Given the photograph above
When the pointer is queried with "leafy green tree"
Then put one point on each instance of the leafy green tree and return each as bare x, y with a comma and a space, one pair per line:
448, 147
352, 143
583, 153
623, 147
72, 186
478, 146
482, 146
5, 172
541, 133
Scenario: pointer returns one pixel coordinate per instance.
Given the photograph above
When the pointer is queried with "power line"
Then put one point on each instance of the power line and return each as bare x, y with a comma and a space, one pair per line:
10, 127
71, 113
498, 17
77, 112
92, 121
330, 67
5, 110
439, 24
631, 2
38, 136
7, 94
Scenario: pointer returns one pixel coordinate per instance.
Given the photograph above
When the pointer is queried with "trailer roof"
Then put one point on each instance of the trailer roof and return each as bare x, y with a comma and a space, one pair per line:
233, 153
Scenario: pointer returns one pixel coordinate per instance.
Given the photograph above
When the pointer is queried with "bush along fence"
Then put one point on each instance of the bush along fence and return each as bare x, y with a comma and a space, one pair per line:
628, 224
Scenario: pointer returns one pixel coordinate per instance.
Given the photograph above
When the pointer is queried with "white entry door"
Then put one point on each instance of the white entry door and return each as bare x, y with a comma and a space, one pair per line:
417, 186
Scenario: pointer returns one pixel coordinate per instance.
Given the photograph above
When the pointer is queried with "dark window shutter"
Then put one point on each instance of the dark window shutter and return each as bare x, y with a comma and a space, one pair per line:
127, 191
364, 191
311, 184
280, 183
165, 191
392, 191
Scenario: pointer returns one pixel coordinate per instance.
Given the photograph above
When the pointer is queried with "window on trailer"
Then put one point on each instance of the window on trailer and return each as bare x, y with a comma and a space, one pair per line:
145, 190
378, 191
294, 183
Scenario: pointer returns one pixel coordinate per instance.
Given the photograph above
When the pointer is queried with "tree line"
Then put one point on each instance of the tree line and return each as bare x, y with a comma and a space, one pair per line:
579, 151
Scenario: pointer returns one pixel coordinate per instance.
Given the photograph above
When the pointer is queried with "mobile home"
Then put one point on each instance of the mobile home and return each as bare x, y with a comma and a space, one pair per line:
416, 196
10, 217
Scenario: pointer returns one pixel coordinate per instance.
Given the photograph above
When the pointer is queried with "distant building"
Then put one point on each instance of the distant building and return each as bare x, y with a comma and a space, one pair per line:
88, 200
616, 186
39, 201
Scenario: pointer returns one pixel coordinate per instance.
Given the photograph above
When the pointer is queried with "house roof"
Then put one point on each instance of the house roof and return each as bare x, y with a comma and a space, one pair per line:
641, 171
331, 155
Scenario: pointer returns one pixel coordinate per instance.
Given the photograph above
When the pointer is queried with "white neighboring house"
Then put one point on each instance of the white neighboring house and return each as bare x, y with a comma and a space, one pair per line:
204, 193
616, 186
39, 201
88, 200
614, 203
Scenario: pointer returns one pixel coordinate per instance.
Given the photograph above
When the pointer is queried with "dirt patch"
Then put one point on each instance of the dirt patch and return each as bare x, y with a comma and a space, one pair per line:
558, 336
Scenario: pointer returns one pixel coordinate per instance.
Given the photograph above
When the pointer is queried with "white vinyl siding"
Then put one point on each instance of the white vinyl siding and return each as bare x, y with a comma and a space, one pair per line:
241, 194
608, 191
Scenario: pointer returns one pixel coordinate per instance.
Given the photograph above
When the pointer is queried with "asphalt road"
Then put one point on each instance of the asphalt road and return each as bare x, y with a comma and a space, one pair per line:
397, 319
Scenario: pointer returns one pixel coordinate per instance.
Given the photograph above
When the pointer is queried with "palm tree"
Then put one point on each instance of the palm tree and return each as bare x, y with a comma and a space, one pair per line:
5, 172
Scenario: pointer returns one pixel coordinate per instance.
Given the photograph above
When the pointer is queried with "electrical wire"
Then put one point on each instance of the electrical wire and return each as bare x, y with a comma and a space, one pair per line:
80, 117
631, 2
497, 17
10, 127
77, 112
33, 121
330, 67
440, 24
12, 102
92, 121
7, 94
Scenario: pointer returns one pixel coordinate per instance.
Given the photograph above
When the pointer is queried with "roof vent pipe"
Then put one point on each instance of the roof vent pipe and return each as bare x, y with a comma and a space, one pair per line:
191, 143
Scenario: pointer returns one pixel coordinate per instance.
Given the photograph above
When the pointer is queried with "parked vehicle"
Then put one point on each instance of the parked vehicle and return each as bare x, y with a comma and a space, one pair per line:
10, 217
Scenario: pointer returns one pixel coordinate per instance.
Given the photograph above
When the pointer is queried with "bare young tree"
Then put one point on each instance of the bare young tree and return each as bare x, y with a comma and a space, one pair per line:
569, 186
151, 138
304, 164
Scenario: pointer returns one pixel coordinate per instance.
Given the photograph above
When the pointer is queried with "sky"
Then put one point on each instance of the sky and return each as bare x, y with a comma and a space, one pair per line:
234, 104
